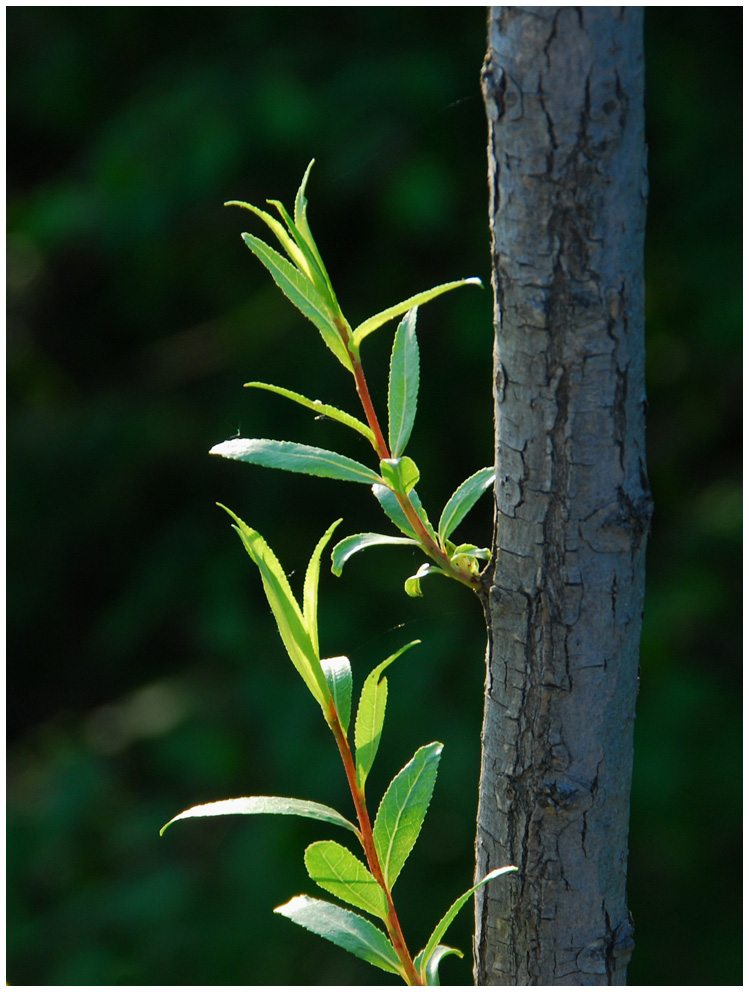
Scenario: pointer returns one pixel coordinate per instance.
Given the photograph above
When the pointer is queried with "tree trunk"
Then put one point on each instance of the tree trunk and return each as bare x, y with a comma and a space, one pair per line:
563, 88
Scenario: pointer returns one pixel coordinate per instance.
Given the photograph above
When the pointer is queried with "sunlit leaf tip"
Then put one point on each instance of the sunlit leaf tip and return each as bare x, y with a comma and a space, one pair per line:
292, 457
372, 323
279, 805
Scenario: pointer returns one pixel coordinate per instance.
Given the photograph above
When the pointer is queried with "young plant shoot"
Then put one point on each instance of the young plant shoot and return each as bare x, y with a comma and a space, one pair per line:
385, 844
303, 278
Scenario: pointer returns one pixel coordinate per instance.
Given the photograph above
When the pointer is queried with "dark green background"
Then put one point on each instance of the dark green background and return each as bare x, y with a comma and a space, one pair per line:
145, 673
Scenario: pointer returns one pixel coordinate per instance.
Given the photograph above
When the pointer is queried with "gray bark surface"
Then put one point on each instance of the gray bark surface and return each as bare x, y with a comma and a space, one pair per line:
564, 93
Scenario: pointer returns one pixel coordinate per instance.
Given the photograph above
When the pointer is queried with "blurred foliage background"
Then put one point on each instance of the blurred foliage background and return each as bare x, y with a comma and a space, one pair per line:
144, 670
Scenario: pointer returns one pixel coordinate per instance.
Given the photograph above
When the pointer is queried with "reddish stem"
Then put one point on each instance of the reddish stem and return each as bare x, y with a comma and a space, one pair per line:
367, 839
362, 389
428, 544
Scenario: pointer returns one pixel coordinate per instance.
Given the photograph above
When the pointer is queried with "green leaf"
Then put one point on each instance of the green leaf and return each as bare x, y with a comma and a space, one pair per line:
302, 293
312, 263
422, 960
345, 929
294, 457
336, 870
292, 249
400, 474
300, 204
300, 246
302, 225
370, 716
402, 810
311, 581
389, 503
471, 551
463, 500
379, 319
289, 618
358, 542
266, 804
403, 384
467, 564
320, 408
338, 674
431, 971
413, 582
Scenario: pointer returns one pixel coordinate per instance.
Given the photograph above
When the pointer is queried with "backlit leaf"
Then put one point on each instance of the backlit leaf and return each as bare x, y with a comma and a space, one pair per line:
336, 870
471, 550
463, 500
358, 542
338, 675
389, 503
400, 308
370, 715
302, 225
266, 804
402, 810
413, 582
311, 582
345, 929
421, 962
294, 457
292, 249
285, 609
431, 970
301, 291
403, 384
313, 263
401, 474
320, 408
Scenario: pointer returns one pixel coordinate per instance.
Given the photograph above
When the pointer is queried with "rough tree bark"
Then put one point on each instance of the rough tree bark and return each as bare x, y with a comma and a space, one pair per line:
563, 88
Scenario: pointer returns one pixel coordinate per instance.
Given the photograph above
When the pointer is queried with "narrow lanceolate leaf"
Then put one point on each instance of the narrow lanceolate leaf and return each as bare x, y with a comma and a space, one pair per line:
311, 582
430, 974
422, 960
338, 674
302, 225
285, 609
288, 244
294, 457
302, 293
345, 929
296, 285
267, 804
316, 273
336, 870
320, 408
358, 542
403, 384
463, 500
370, 716
300, 203
400, 308
389, 503
402, 810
